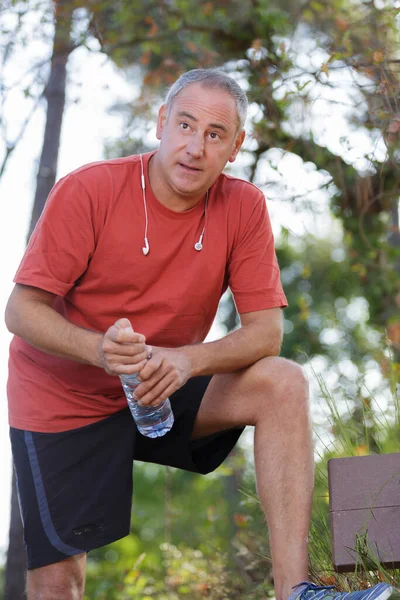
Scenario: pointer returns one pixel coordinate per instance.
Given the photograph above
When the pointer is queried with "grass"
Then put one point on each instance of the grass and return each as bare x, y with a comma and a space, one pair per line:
364, 429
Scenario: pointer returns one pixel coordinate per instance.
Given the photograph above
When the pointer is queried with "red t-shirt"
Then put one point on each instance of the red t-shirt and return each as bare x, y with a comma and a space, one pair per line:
87, 249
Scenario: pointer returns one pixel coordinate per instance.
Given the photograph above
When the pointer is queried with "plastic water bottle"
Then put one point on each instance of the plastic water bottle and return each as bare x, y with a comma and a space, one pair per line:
151, 421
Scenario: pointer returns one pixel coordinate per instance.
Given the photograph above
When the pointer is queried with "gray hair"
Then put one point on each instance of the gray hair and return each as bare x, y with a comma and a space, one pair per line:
211, 78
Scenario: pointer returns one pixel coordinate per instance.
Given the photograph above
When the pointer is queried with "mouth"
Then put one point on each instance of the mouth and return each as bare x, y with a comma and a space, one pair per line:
188, 168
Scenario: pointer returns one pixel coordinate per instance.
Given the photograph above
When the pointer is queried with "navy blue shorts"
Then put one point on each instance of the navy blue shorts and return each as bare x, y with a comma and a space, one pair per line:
75, 487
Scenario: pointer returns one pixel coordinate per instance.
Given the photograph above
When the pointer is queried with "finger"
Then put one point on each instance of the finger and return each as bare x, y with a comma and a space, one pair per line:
154, 363
129, 356
137, 361
127, 363
124, 355
159, 392
148, 384
124, 334
113, 346
154, 389
132, 353
129, 369
123, 323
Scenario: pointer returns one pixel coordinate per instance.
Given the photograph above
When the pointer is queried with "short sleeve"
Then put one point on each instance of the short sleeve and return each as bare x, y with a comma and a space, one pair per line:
253, 271
63, 241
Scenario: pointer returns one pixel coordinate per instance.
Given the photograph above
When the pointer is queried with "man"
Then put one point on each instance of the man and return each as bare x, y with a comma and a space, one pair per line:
123, 274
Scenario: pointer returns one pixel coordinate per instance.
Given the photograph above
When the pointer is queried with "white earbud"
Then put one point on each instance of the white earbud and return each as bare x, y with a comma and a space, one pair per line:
146, 248
199, 245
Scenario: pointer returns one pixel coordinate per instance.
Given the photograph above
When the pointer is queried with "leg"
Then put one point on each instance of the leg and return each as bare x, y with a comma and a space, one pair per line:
272, 395
75, 492
64, 580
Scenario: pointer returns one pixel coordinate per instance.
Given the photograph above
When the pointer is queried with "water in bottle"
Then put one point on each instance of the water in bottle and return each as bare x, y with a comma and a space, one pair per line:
151, 421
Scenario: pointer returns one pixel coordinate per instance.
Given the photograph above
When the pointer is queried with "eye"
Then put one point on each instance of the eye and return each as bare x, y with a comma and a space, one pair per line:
214, 136
184, 126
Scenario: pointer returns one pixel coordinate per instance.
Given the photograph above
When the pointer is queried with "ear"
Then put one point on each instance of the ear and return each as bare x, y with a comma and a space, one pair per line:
237, 145
162, 117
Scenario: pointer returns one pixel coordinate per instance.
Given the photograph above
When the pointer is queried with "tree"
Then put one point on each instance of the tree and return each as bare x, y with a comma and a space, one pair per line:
358, 41
54, 94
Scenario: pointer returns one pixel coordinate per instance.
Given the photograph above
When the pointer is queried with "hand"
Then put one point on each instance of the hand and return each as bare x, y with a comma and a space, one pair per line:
122, 350
166, 371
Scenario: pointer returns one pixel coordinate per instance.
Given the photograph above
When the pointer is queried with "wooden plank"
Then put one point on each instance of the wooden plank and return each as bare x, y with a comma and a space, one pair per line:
364, 481
382, 526
364, 500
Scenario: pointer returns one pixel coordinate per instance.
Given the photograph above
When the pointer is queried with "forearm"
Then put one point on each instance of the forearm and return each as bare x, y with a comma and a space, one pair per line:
168, 369
42, 327
237, 350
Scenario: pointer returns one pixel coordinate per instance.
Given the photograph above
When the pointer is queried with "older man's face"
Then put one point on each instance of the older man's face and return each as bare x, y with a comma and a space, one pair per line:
198, 136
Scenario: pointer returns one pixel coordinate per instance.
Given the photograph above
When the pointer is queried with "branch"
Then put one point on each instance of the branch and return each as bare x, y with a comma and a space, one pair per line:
11, 147
168, 35
139, 40
37, 66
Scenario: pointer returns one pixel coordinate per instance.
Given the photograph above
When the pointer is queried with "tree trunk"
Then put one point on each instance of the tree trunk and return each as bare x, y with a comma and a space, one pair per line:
55, 96
14, 587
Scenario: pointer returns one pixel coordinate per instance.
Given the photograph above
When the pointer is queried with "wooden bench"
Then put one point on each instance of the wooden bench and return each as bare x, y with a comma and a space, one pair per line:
364, 504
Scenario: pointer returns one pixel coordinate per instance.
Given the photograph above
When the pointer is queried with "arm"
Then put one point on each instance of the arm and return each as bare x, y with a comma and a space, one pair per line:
259, 336
170, 368
31, 316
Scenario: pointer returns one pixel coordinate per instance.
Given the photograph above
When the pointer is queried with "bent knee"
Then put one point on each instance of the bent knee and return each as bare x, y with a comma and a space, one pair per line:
282, 378
292, 375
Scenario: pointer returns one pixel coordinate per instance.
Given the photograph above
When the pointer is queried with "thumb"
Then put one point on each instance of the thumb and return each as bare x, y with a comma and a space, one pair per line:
123, 324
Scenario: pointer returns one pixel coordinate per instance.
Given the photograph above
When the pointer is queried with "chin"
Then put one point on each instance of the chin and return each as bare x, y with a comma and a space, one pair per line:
187, 189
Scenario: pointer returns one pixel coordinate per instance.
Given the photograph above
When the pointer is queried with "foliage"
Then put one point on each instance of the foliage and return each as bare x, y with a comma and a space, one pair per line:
360, 41
152, 522
183, 573
315, 264
180, 541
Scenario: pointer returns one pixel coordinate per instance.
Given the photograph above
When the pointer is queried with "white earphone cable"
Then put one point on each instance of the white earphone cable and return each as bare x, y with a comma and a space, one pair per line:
199, 245
146, 249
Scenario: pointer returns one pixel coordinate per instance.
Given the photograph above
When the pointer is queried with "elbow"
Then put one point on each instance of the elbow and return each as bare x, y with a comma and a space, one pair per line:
15, 312
275, 341
25, 308
270, 346
275, 348
10, 317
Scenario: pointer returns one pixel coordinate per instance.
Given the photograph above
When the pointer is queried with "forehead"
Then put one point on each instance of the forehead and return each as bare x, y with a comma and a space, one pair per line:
206, 103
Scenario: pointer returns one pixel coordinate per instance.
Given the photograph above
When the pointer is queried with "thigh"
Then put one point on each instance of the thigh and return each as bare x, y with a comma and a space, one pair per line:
177, 448
236, 399
75, 487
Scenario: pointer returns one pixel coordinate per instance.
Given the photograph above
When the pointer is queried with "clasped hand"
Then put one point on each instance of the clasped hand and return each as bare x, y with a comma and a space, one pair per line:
123, 351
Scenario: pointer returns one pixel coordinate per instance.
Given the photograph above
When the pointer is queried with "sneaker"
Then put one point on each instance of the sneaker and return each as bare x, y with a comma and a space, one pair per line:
308, 591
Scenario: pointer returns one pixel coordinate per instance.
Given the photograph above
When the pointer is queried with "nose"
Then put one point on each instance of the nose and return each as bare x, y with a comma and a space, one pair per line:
195, 146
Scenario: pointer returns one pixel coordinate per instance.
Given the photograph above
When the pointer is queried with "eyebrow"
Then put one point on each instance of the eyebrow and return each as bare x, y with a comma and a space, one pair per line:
183, 113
